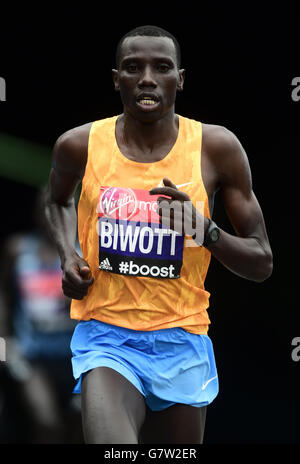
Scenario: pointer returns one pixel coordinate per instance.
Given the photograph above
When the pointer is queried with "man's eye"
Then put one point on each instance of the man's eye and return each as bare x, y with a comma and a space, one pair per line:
163, 68
132, 68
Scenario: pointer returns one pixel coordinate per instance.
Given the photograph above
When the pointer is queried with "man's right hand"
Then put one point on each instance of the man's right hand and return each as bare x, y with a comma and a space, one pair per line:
76, 278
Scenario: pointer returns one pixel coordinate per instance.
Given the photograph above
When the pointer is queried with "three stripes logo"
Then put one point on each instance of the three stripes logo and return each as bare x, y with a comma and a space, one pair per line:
105, 264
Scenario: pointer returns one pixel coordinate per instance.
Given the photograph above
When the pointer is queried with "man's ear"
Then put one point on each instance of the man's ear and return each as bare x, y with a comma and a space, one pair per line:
181, 73
115, 76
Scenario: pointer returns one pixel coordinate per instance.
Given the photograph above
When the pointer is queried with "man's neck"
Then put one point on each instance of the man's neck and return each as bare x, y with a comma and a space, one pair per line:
147, 138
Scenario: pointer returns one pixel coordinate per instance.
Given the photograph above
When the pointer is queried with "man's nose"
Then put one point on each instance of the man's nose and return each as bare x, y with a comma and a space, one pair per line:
147, 78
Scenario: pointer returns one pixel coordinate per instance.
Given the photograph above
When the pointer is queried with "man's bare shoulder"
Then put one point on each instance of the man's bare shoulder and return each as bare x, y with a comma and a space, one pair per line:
219, 139
71, 148
75, 138
226, 153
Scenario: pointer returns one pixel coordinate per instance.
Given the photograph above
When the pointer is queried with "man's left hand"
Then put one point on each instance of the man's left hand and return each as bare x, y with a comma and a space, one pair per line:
177, 212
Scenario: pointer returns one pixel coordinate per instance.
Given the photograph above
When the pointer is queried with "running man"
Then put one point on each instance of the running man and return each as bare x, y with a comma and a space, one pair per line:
144, 362
39, 330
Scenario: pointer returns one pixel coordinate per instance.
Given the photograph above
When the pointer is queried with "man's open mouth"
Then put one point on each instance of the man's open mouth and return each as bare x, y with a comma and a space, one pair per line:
147, 100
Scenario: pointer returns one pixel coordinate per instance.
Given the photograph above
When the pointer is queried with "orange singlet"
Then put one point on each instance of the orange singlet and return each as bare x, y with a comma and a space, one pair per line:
147, 277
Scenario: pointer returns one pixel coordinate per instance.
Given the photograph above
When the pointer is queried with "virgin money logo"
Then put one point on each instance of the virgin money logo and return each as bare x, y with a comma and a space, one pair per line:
118, 203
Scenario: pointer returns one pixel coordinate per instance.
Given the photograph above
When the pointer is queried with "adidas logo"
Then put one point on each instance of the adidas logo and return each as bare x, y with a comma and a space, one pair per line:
105, 264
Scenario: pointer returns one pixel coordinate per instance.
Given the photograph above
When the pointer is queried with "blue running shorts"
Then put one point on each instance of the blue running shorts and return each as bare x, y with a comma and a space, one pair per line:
167, 366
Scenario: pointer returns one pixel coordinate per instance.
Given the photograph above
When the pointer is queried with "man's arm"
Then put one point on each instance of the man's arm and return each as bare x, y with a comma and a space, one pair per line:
248, 253
68, 166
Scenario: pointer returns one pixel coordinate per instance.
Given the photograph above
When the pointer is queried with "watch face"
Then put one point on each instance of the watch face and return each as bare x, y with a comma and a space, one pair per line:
214, 235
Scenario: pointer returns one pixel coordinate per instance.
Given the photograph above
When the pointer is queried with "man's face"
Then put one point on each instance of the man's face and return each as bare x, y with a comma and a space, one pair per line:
148, 77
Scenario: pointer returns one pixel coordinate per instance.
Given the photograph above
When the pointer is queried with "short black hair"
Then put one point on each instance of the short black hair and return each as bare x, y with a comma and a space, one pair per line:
149, 31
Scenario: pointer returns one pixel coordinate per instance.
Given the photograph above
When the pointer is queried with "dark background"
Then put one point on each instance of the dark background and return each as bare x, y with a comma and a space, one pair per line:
240, 60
